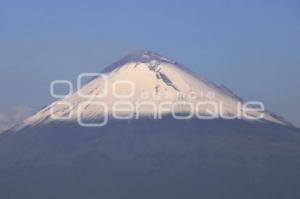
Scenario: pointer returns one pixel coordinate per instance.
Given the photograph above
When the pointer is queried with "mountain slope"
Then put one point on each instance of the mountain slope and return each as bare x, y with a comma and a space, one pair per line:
146, 158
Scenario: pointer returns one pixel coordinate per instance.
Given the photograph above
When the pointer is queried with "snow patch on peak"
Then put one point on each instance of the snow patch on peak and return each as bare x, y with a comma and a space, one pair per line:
144, 56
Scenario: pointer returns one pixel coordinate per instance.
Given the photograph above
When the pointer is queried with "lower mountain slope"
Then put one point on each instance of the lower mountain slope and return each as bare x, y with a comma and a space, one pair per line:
149, 158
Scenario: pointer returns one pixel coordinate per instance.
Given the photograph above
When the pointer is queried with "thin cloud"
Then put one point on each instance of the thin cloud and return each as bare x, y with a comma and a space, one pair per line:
13, 116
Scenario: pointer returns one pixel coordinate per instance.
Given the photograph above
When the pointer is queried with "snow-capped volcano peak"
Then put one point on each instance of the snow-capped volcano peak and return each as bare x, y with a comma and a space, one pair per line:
147, 56
146, 83
143, 56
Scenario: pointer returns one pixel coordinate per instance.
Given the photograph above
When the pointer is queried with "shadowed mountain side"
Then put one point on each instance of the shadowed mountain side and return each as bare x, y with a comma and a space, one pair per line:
148, 158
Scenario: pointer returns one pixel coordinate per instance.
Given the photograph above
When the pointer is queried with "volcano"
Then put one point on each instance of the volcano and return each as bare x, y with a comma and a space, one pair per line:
148, 127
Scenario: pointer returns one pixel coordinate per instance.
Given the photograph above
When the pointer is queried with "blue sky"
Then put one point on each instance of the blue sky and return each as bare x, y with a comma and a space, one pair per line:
253, 47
